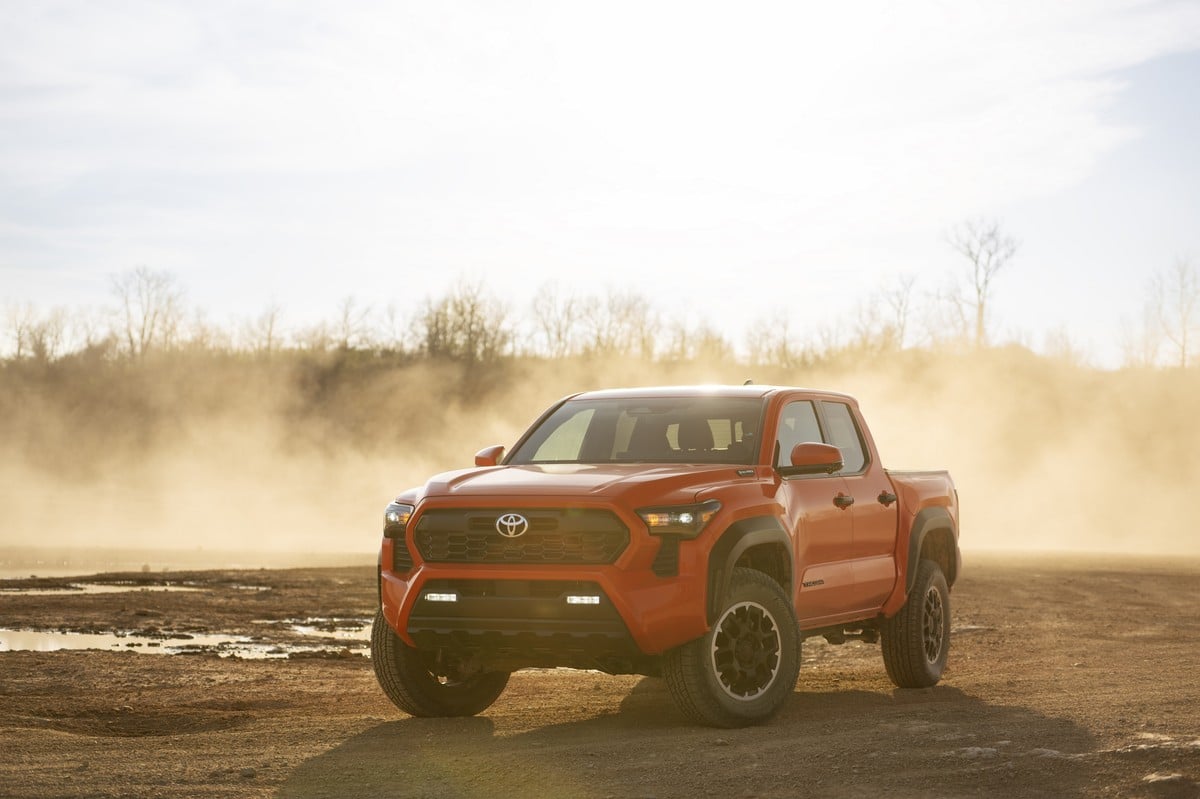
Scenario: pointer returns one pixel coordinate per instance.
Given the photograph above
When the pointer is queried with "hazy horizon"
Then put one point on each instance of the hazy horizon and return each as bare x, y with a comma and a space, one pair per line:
299, 453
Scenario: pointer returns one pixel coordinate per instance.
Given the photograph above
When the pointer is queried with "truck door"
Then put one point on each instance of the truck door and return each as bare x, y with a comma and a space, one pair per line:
821, 529
875, 507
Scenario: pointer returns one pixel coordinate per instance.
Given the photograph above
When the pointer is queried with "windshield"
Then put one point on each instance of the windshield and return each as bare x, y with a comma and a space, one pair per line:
646, 430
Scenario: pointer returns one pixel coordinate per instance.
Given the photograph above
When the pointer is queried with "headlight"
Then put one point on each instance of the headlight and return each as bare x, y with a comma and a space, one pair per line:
395, 519
684, 520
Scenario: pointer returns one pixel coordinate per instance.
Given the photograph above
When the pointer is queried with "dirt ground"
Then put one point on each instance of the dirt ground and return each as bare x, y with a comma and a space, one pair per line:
1067, 677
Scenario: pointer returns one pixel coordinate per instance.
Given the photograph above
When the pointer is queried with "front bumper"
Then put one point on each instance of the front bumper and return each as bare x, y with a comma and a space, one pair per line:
518, 609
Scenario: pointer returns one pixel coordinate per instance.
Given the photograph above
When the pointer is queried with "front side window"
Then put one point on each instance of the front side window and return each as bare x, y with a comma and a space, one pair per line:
843, 434
797, 425
646, 430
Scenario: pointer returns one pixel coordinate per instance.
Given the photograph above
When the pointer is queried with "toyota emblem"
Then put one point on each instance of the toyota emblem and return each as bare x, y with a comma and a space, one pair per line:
512, 525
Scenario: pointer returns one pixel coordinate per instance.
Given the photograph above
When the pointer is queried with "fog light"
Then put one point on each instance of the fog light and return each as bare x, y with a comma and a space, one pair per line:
435, 597
583, 600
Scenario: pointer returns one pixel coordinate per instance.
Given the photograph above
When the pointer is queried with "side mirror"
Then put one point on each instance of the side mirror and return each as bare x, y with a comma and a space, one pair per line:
489, 456
813, 458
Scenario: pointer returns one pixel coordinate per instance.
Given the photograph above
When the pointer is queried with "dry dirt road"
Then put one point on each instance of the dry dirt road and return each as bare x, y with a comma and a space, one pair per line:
1067, 678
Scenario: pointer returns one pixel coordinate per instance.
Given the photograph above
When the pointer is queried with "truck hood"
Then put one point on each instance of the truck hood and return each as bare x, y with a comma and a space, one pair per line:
582, 481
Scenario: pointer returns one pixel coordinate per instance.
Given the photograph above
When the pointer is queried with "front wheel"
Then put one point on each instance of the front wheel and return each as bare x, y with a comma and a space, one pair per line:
421, 686
916, 641
743, 669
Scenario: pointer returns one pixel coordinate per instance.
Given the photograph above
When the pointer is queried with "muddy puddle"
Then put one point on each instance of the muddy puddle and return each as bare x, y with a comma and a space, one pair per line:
74, 589
329, 637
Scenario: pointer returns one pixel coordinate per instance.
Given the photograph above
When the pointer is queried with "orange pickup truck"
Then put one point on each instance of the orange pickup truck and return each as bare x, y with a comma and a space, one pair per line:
698, 534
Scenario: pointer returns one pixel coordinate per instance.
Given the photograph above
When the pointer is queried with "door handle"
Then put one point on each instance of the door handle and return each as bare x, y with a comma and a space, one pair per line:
886, 498
843, 501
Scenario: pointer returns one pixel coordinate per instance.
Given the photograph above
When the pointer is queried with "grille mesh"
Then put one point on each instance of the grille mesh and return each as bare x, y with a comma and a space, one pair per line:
562, 536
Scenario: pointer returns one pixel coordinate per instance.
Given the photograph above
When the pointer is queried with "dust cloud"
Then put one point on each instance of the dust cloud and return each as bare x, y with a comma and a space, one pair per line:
292, 454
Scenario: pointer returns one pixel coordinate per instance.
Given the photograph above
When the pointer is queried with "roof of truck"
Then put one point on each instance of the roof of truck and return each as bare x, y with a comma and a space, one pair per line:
752, 390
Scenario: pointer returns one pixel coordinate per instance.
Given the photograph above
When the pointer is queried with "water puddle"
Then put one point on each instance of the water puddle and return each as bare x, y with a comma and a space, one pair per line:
221, 644
338, 629
77, 589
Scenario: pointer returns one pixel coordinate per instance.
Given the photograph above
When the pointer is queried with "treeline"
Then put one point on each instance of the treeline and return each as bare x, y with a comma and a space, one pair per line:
470, 325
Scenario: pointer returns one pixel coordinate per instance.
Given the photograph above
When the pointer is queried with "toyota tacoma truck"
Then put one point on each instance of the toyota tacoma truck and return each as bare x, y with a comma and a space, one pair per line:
697, 534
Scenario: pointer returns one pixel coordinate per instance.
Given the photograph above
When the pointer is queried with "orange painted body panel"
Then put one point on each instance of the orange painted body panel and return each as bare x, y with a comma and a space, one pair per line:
848, 533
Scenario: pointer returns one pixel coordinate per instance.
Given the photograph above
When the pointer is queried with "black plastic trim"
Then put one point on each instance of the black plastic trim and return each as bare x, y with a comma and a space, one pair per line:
402, 560
521, 622
733, 543
666, 562
932, 518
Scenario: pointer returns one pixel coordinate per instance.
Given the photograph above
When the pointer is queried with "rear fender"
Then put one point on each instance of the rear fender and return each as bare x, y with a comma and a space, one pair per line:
932, 519
735, 542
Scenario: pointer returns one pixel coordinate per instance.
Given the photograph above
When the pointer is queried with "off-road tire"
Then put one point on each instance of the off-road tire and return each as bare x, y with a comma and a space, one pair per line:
743, 669
916, 641
408, 678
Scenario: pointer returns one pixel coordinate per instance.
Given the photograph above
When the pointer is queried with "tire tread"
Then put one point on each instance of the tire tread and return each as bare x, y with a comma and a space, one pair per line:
901, 635
685, 668
412, 689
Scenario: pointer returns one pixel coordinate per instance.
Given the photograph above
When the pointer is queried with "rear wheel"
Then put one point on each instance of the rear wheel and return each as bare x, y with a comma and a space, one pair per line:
916, 641
421, 684
744, 668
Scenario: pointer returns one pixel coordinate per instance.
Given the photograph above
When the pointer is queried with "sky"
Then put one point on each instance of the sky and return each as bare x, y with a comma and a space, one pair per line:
730, 162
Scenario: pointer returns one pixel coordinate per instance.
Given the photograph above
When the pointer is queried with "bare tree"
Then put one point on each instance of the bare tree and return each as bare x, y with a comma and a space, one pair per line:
1175, 305
944, 319
468, 324
619, 322
18, 319
262, 333
898, 298
701, 342
988, 249
351, 326
881, 321
1058, 344
394, 329
556, 320
770, 341
149, 310
314, 337
871, 332
204, 336
90, 333
35, 335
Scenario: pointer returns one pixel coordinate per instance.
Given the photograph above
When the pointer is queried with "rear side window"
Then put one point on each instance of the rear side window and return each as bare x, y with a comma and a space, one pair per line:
844, 434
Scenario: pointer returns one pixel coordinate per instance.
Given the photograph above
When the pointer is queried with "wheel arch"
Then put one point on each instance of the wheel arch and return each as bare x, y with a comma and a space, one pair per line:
758, 543
933, 536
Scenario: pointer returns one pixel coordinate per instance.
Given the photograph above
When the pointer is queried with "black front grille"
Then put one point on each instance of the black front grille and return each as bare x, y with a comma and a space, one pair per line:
513, 589
554, 535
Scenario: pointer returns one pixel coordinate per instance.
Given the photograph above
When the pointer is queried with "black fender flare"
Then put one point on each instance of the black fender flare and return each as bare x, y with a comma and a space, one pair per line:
733, 543
932, 518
